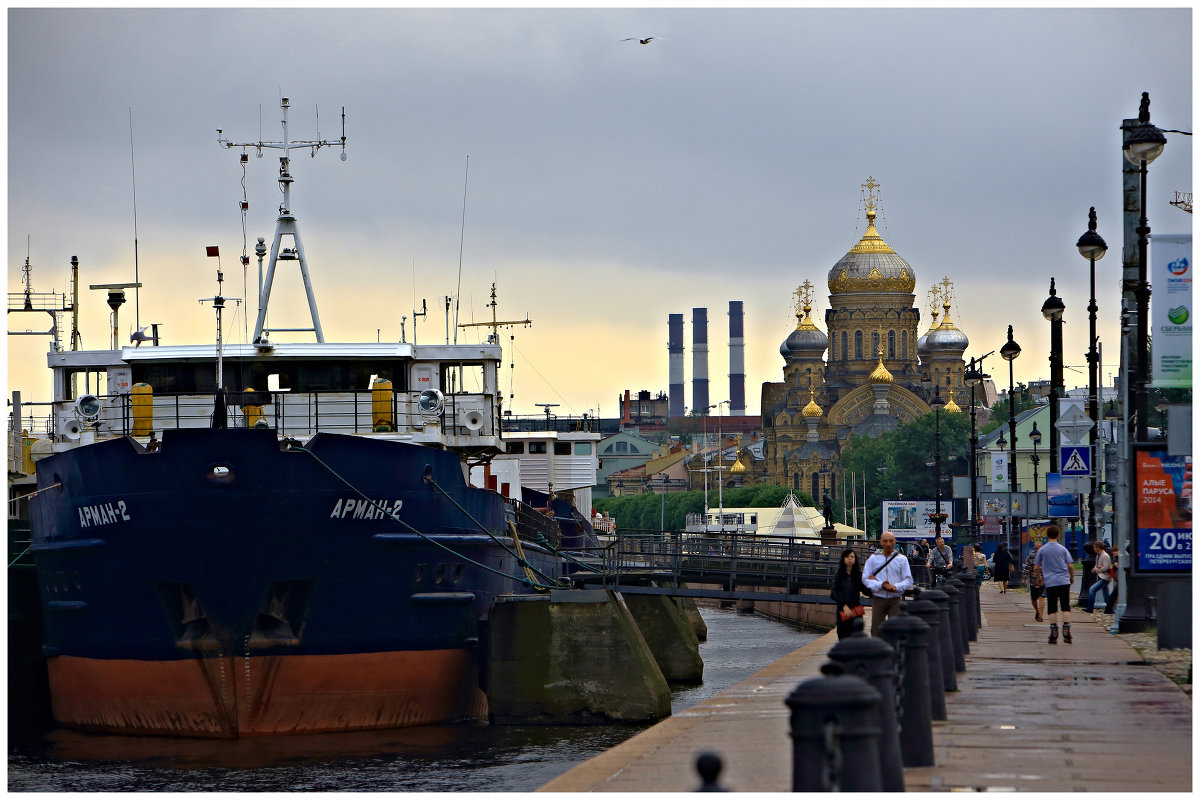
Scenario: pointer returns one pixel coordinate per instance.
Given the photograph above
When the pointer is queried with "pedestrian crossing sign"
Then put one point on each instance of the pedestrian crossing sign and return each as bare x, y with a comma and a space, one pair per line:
1076, 460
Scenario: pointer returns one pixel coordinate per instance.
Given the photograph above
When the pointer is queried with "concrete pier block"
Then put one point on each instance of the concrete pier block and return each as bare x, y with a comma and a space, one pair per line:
670, 637
688, 606
575, 657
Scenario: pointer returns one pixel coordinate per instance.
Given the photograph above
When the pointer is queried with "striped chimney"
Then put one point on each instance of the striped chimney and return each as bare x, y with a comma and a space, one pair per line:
737, 361
700, 360
675, 365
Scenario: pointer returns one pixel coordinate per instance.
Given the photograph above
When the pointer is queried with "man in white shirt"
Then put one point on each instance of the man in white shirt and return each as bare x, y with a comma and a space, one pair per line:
888, 576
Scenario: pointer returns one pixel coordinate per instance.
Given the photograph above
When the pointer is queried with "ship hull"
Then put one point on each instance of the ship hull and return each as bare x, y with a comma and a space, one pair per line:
226, 586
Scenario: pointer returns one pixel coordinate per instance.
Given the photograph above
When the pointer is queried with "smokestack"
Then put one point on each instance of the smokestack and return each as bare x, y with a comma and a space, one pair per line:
675, 364
700, 360
625, 420
737, 361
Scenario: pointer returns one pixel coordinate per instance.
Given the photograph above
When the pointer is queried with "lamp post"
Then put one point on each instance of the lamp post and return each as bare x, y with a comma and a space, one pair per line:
1052, 310
1092, 247
1035, 436
1009, 352
1144, 144
974, 376
937, 404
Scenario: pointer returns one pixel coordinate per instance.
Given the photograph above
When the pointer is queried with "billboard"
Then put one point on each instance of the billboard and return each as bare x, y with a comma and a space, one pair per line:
1171, 310
1163, 502
909, 519
1061, 500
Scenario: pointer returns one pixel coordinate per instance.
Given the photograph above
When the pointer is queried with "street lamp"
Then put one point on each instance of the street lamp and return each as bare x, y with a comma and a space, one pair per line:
937, 404
1092, 247
974, 376
1052, 310
1144, 144
1035, 436
1009, 351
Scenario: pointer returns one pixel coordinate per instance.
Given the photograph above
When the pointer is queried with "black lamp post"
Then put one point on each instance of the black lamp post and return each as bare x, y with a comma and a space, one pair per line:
1144, 144
1035, 436
937, 404
1092, 247
974, 376
1009, 351
1053, 310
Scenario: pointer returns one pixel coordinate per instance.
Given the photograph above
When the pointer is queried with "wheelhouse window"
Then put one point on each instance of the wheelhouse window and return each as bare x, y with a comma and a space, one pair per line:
537, 448
463, 378
562, 448
515, 448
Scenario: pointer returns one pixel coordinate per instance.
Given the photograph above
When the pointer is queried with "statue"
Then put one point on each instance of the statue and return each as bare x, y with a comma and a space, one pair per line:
828, 510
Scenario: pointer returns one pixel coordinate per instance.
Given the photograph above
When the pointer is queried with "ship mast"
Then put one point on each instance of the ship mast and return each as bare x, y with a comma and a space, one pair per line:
286, 224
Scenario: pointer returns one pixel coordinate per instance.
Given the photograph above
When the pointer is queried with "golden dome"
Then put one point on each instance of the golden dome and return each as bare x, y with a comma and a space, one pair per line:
812, 409
871, 265
880, 374
952, 407
738, 468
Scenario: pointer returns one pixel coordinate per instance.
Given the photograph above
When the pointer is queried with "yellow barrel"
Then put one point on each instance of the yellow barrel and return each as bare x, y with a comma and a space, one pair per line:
254, 413
143, 409
381, 406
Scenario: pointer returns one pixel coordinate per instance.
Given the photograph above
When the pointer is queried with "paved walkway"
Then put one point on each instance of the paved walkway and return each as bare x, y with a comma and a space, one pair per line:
1028, 716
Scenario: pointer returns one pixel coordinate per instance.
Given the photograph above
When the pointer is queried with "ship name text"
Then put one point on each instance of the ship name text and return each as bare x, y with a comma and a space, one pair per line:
103, 514
362, 508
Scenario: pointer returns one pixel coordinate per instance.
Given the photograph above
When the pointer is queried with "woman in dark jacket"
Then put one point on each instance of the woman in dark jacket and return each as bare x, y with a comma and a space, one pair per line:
847, 591
1001, 565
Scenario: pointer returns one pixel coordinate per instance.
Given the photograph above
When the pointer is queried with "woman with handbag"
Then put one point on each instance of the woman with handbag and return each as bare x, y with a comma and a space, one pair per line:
847, 592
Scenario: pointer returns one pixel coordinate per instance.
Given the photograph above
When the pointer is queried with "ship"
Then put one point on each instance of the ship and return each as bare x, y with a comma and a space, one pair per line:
269, 537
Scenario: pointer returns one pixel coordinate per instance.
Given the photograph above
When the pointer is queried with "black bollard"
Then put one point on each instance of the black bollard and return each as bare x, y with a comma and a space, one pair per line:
968, 595
709, 766
946, 634
956, 626
874, 660
927, 612
835, 734
909, 634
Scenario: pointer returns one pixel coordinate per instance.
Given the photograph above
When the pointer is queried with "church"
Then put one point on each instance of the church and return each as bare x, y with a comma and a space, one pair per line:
867, 372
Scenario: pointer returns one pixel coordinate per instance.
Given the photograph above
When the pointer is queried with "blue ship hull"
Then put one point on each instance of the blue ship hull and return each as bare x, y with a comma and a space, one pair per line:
225, 585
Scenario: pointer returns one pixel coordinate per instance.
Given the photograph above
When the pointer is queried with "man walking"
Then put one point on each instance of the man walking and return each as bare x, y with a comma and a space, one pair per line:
888, 576
1058, 572
1102, 571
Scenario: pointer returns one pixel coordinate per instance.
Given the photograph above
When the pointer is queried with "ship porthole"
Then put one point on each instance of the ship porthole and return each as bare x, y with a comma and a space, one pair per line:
220, 474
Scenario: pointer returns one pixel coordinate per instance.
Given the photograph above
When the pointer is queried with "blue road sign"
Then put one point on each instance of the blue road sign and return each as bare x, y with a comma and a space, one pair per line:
1075, 459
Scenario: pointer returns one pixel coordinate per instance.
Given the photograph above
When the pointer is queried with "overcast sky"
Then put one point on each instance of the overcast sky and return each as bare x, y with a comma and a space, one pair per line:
610, 183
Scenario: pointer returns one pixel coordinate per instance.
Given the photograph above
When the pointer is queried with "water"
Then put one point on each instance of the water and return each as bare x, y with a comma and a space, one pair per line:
441, 758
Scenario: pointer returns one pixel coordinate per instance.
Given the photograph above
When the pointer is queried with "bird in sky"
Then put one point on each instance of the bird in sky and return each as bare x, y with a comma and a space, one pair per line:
139, 336
641, 41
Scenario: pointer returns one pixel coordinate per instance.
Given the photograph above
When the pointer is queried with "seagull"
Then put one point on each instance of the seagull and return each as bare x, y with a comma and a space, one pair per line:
139, 336
641, 41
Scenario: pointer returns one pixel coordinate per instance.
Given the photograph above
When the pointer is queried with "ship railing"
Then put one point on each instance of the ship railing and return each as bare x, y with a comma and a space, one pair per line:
295, 414
537, 423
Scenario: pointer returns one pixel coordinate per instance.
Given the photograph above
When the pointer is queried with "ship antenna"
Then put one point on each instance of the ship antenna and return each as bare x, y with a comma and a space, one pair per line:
286, 225
462, 235
137, 313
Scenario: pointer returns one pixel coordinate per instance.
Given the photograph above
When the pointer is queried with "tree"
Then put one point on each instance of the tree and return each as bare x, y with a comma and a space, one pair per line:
1023, 401
646, 511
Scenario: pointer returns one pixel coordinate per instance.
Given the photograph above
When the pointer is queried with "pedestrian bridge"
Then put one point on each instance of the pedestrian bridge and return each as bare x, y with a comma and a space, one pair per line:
726, 566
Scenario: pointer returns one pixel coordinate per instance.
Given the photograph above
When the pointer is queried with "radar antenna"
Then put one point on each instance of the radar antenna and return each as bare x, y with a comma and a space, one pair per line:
286, 225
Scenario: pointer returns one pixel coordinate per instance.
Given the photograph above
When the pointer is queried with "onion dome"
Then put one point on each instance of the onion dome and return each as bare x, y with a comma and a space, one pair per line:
807, 339
871, 265
738, 467
923, 340
946, 337
880, 374
812, 409
952, 407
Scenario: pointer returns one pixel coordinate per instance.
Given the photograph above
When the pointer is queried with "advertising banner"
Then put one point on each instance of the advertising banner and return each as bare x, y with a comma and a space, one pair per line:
1061, 500
1171, 310
1163, 485
909, 519
998, 471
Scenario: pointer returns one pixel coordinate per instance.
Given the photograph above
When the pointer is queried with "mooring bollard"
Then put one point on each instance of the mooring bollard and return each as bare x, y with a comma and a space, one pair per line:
709, 766
946, 635
968, 605
835, 734
909, 634
927, 612
956, 626
875, 661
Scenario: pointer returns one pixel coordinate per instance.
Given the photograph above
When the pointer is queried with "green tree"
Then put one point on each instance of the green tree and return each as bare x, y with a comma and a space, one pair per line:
647, 511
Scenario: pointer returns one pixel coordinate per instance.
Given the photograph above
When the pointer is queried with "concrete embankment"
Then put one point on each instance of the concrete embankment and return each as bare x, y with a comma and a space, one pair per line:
1028, 716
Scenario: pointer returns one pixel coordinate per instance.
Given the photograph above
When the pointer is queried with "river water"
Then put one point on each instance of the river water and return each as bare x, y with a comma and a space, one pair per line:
442, 758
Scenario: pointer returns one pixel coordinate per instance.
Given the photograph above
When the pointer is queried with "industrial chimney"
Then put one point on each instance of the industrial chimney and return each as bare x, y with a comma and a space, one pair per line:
700, 360
737, 361
675, 365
